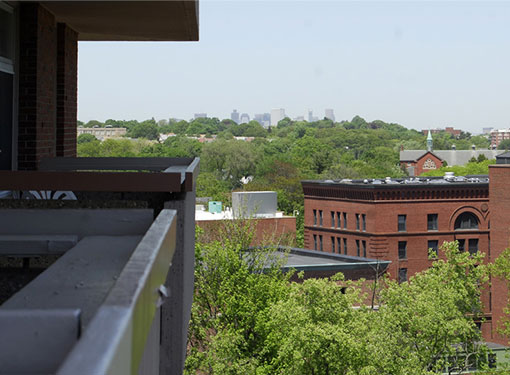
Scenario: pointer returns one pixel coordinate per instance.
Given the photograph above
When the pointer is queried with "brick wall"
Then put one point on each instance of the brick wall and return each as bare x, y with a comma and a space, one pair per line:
48, 57
266, 230
67, 87
500, 237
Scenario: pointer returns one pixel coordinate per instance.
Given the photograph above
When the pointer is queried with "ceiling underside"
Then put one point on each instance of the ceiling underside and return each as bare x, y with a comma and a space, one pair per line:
129, 20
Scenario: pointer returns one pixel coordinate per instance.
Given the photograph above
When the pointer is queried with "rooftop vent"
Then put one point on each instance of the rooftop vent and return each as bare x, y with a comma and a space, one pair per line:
449, 175
454, 147
473, 147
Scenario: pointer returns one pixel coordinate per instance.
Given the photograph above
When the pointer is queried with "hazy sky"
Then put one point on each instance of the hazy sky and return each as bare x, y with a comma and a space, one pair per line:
421, 64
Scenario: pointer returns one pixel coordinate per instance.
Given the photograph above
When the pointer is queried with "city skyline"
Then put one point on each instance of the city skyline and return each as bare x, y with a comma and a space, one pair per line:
419, 64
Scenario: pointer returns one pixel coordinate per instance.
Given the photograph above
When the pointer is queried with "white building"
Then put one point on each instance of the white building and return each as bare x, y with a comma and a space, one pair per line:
328, 113
277, 115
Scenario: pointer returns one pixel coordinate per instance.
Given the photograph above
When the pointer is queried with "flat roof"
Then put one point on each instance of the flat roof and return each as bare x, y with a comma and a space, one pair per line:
313, 260
411, 181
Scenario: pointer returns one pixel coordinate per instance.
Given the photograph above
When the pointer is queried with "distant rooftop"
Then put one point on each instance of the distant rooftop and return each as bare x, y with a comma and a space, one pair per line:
449, 178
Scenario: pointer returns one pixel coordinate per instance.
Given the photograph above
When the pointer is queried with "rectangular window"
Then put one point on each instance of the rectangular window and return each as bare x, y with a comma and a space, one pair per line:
357, 247
332, 244
339, 245
402, 250
402, 275
364, 245
314, 217
315, 242
473, 246
345, 220
432, 222
357, 221
402, 219
332, 219
320, 218
338, 221
345, 246
462, 245
364, 222
320, 243
432, 247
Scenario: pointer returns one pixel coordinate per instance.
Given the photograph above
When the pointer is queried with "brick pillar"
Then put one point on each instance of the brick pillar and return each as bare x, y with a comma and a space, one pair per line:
67, 88
499, 208
37, 85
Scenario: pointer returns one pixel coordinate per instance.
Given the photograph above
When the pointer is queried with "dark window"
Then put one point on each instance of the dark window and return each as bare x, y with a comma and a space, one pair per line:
402, 275
339, 245
338, 221
462, 245
432, 247
345, 220
364, 222
473, 245
364, 244
357, 221
320, 218
320, 243
357, 247
402, 223
314, 217
332, 219
432, 222
402, 250
466, 220
315, 242
345, 246
332, 244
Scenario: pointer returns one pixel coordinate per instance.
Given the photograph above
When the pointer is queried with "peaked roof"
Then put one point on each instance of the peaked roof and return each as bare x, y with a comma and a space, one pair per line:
452, 157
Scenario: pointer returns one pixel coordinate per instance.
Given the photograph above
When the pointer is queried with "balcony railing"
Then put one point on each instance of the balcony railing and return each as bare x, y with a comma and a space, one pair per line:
99, 307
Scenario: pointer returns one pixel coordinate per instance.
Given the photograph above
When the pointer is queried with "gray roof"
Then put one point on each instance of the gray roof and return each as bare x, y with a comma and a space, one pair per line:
313, 260
452, 157
504, 155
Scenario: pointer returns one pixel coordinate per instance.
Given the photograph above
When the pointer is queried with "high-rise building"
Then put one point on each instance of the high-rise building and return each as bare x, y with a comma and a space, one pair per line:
245, 118
328, 113
310, 115
263, 119
277, 115
234, 116
200, 115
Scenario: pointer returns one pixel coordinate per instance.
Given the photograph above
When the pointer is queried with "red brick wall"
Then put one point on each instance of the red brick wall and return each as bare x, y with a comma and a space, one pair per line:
67, 88
47, 87
418, 168
499, 205
382, 234
267, 230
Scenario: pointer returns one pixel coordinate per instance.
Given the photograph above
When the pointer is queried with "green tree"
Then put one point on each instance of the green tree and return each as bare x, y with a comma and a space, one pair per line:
504, 144
84, 138
146, 129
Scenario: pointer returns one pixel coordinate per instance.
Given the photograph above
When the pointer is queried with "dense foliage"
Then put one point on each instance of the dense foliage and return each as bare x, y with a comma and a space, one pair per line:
246, 321
278, 158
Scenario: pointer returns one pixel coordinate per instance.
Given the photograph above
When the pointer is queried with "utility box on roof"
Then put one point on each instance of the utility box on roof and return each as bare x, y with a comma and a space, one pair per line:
215, 207
254, 204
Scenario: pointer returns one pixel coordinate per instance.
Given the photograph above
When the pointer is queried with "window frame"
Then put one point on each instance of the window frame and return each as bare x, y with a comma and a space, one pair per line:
429, 248
402, 226
432, 222
404, 244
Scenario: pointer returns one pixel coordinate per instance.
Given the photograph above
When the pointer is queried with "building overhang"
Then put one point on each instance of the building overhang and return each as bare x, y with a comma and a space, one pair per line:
129, 20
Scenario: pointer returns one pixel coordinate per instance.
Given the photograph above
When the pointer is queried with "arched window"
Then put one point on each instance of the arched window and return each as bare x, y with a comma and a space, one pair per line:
466, 220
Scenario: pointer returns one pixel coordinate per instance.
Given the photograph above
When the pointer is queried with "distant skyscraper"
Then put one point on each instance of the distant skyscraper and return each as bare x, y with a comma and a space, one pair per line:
263, 119
310, 115
234, 116
328, 113
245, 118
277, 115
200, 115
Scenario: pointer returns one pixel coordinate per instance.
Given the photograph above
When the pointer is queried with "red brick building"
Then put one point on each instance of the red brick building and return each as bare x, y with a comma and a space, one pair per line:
400, 220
